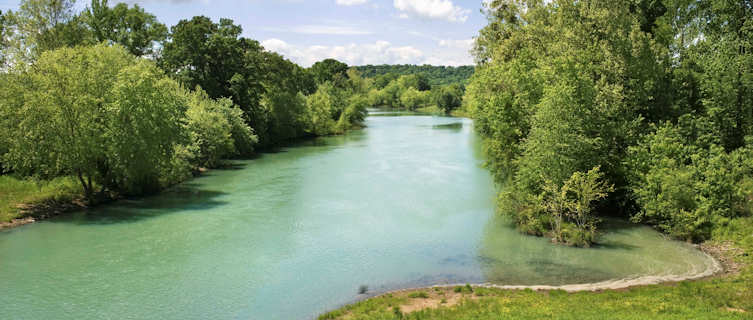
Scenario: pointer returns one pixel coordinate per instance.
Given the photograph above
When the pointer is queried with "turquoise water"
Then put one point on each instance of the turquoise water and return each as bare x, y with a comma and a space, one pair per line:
402, 203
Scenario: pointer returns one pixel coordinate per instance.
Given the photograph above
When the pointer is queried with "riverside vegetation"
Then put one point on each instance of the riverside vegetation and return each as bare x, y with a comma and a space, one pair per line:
89, 107
111, 98
639, 109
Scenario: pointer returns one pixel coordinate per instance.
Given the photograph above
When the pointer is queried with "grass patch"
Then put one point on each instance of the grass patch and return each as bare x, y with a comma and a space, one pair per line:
724, 297
418, 294
16, 192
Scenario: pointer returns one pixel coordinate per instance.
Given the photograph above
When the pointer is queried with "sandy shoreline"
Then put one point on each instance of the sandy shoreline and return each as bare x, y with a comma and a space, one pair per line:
718, 265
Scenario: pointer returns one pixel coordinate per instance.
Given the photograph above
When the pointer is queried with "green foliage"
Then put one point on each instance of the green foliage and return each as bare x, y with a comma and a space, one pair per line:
37, 26
449, 97
213, 56
81, 112
268, 89
3, 38
433, 75
325, 107
141, 127
659, 99
16, 193
328, 70
686, 190
211, 130
418, 295
133, 28
412, 99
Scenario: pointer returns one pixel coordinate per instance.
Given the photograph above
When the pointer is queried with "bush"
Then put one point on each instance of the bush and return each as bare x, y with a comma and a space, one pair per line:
685, 189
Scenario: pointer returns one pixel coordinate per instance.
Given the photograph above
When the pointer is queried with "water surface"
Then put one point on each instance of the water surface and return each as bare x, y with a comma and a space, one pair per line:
403, 203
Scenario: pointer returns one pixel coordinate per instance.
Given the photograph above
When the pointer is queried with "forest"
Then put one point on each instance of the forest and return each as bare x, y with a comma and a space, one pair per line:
117, 102
635, 109
436, 75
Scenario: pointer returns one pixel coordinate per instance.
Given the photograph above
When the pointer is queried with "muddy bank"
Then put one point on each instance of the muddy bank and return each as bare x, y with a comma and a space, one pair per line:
36, 212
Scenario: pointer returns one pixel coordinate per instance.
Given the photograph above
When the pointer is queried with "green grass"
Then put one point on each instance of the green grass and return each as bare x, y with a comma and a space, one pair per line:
15, 192
725, 297
418, 294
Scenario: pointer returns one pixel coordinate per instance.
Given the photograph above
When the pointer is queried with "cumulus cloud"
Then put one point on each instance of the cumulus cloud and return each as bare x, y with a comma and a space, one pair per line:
338, 30
432, 9
350, 2
458, 44
379, 52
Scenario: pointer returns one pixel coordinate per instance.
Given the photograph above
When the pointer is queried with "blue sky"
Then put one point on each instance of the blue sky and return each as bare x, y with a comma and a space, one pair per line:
358, 32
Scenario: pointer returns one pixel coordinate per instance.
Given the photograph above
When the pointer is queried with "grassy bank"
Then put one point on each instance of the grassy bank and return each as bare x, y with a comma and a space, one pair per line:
16, 195
729, 296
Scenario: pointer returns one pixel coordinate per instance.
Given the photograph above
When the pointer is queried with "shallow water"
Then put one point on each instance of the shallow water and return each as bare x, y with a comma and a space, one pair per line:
402, 203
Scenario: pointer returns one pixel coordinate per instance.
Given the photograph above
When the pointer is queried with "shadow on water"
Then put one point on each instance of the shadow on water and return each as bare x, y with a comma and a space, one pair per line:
455, 126
181, 198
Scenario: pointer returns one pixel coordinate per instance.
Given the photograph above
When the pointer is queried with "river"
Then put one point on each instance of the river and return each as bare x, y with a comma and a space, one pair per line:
402, 203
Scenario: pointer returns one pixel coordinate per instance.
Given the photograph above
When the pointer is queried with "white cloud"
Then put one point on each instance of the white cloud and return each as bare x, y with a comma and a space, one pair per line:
432, 9
341, 30
457, 44
351, 2
379, 52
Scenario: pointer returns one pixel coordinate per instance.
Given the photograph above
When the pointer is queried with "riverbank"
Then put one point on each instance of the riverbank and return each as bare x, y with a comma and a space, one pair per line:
25, 201
726, 295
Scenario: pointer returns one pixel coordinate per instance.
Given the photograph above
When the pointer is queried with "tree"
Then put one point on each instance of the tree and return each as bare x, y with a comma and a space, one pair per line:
210, 130
415, 81
449, 97
133, 28
211, 55
328, 70
322, 106
3, 39
83, 112
583, 189
411, 99
37, 26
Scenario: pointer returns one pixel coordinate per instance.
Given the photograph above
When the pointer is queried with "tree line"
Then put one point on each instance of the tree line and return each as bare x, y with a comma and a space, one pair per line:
435, 75
640, 109
413, 91
114, 98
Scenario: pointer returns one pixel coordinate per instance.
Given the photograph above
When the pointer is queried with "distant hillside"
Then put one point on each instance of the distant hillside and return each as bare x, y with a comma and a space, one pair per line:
436, 75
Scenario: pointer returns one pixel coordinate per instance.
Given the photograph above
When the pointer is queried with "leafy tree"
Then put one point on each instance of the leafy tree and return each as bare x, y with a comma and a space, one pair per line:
38, 25
354, 114
583, 189
328, 70
449, 97
411, 99
415, 81
382, 80
210, 129
133, 28
3, 39
323, 106
211, 55
82, 112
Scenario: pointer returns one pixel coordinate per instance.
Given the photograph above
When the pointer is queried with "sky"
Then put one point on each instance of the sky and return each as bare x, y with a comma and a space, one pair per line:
357, 32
